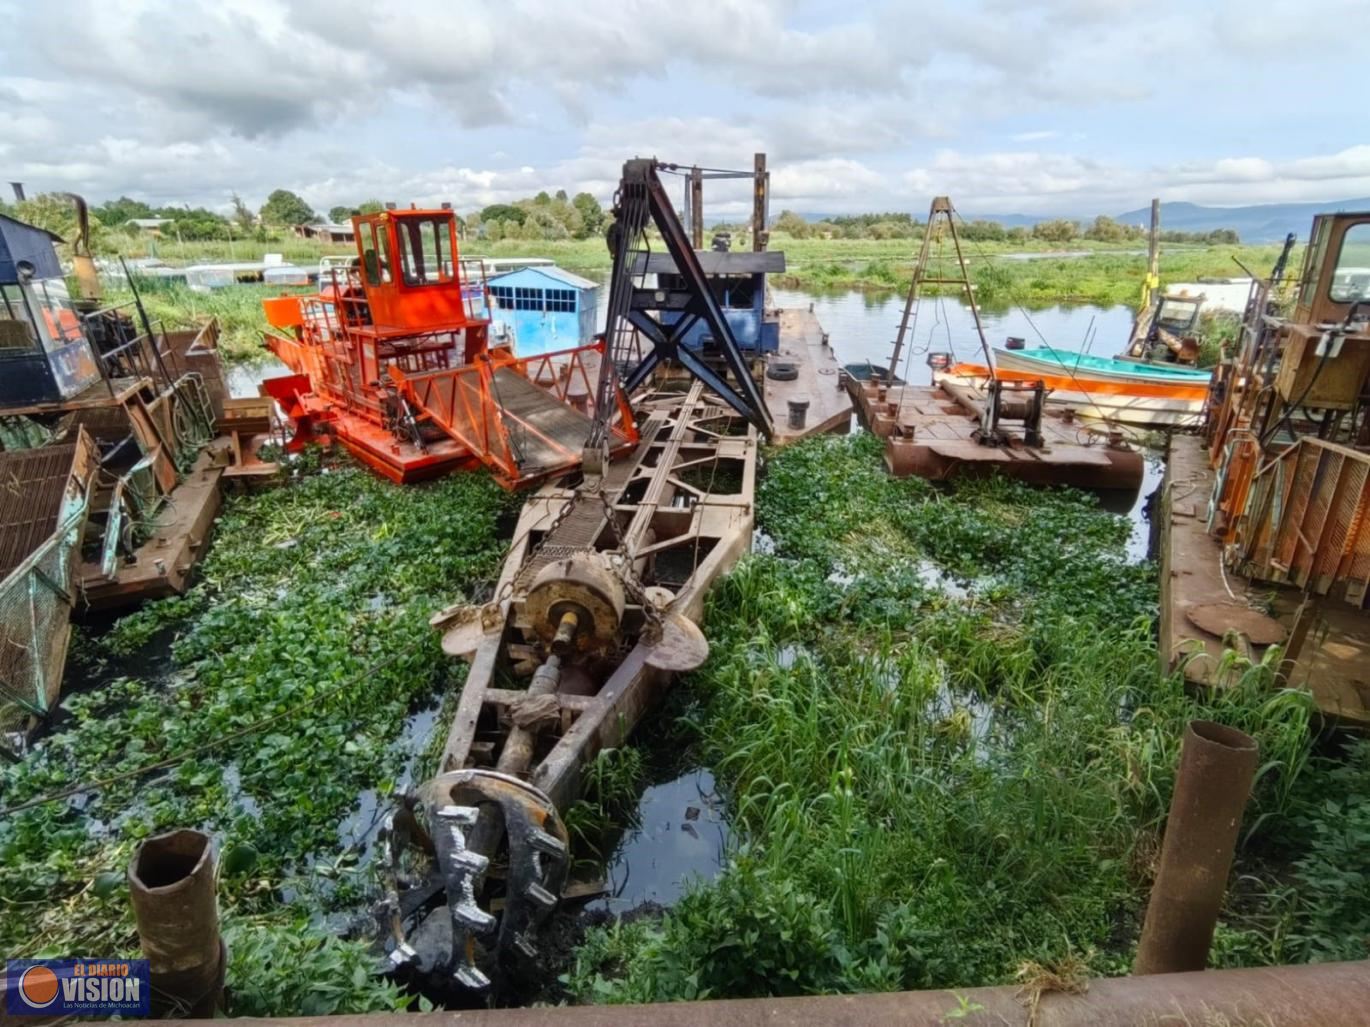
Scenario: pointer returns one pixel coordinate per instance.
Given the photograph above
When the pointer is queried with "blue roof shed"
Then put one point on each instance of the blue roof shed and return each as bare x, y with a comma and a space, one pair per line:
545, 309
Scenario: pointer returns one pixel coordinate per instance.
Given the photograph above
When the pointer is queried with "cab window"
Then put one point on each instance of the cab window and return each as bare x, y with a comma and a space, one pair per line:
375, 260
1351, 277
426, 250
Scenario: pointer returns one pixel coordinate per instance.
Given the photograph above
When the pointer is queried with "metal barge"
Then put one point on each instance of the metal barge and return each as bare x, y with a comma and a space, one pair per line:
116, 436
983, 423
1265, 542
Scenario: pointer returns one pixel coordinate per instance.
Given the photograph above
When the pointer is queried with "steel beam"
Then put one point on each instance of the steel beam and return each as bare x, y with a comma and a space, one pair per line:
1281, 996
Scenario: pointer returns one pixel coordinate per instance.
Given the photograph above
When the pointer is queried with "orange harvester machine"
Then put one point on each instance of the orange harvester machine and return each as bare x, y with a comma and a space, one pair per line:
392, 357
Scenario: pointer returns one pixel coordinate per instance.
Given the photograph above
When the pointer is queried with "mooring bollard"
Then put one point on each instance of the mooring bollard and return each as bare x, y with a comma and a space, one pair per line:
171, 881
799, 412
1217, 766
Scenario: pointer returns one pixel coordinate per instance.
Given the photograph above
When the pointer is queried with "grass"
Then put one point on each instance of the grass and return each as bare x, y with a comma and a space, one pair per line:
238, 309
312, 605
934, 791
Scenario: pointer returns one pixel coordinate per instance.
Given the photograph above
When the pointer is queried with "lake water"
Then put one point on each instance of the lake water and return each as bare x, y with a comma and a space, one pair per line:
862, 327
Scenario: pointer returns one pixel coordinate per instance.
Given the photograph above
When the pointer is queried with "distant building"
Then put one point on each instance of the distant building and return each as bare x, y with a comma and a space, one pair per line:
152, 226
326, 232
544, 309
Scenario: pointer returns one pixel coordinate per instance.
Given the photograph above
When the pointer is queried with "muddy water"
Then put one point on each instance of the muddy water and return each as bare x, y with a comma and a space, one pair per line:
680, 835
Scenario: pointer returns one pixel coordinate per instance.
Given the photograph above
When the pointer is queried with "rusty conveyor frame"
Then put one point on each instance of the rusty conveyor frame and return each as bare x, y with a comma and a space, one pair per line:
680, 432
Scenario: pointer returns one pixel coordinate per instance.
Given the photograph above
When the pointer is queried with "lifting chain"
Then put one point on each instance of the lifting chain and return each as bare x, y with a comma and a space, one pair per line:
623, 566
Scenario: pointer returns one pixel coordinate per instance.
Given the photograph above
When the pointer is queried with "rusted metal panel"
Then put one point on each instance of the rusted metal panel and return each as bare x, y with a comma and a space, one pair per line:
34, 487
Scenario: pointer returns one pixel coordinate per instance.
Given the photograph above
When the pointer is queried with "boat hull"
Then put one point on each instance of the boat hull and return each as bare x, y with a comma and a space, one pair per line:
1144, 404
1060, 362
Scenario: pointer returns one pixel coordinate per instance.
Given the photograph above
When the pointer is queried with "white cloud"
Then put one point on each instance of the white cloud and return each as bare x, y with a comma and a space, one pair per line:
874, 105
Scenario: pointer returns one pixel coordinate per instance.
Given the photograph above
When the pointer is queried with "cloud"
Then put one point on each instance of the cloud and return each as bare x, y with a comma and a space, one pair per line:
871, 105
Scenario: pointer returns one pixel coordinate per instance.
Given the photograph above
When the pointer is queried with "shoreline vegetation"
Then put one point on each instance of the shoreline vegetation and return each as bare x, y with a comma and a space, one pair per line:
1033, 275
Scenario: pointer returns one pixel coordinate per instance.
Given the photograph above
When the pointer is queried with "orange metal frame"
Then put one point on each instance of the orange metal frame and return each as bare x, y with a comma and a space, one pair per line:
393, 323
464, 402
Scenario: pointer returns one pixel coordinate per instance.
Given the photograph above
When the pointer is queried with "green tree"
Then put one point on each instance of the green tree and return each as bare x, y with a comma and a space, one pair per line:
1057, 230
283, 208
984, 231
1105, 229
340, 214
50, 211
791, 224
542, 199
370, 207
193, 223
561, 195
242, 214
118, 213
503, 212
1017, 235
591, 214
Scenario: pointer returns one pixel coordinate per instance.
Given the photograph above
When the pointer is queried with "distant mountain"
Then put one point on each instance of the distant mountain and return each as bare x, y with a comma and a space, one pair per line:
1266, 222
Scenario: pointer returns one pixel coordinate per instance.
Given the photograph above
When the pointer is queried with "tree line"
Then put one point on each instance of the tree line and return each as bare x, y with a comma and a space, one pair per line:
545, 216
1056, 230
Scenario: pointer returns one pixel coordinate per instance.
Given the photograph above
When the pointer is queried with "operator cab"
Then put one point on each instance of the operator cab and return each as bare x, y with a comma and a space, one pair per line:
411, 276
45, 356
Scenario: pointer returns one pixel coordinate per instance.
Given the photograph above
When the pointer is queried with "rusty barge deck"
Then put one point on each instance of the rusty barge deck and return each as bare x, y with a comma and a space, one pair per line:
1204, 607
930, 431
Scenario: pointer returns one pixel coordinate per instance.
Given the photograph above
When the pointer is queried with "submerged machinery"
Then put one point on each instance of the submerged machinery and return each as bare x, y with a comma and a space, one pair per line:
594, 611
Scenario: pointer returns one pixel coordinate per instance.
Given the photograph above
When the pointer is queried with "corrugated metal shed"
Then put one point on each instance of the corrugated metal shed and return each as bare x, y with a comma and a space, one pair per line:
20, 241
557, 274
543, 308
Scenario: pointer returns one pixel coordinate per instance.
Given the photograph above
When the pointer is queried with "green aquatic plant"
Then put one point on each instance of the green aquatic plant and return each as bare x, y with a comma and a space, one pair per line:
279, 695
939, 721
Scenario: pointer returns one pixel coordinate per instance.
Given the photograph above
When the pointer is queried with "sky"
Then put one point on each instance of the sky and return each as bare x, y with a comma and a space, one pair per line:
1069, 107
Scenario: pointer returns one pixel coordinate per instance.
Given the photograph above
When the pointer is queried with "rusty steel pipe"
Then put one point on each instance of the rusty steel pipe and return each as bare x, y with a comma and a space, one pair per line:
1217, 766
172, 884
1281, 996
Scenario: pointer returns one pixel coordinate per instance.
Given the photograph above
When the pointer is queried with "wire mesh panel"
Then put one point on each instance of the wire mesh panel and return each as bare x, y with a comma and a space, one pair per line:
44, 496
35, 606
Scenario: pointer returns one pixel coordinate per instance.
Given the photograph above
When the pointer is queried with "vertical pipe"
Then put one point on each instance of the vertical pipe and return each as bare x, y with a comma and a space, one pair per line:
761, 181
171, 883
1217, 766
18, 188
697, 208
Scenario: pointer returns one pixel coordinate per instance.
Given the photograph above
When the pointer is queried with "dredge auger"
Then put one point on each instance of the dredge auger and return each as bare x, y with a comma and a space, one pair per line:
596, 608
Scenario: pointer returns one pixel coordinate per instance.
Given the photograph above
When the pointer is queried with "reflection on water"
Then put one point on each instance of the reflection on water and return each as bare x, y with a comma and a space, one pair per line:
243, 379
680, 836
862, 326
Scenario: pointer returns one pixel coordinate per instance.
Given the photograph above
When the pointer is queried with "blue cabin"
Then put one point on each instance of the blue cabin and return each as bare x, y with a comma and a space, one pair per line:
739, 285
543, 309
44, 355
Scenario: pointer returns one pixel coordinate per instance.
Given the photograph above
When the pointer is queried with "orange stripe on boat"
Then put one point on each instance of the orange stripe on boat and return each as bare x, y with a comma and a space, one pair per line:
1080, 383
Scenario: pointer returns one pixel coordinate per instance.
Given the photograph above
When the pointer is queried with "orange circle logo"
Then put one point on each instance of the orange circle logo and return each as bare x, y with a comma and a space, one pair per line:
38, 986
